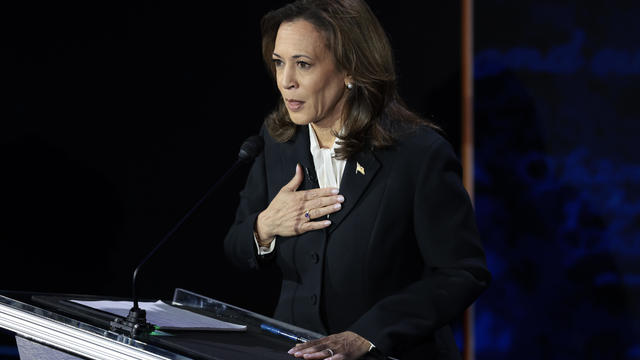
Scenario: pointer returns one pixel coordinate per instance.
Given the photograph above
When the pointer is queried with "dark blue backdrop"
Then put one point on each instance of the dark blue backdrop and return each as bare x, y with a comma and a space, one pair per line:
558, 178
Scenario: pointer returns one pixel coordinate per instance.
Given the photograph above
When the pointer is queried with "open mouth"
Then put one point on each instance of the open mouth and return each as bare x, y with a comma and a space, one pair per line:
294, 105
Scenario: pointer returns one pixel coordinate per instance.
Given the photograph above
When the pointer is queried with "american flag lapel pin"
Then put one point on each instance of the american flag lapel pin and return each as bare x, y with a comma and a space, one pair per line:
359, 168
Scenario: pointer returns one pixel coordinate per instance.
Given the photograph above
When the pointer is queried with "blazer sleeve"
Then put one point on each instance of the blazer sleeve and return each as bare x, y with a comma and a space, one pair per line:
239, 243
455, 272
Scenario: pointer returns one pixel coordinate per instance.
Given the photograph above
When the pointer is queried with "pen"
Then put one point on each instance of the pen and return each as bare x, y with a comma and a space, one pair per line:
277, 331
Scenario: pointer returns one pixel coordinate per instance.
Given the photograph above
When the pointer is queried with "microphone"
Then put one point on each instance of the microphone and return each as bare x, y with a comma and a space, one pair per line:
136, 324
251, 148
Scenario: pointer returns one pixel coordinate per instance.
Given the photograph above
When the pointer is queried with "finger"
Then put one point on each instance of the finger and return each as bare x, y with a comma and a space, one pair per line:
324, 211
300, 349
311, 225
323, 354
314, 349
313, 352
316, 193
324, 201
306, 344
295, 182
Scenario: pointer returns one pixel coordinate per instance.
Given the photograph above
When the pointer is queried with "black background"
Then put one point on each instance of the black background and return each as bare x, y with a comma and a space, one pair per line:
118, 116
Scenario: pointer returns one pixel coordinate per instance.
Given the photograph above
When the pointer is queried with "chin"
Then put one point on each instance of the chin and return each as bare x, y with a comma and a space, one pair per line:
299, 120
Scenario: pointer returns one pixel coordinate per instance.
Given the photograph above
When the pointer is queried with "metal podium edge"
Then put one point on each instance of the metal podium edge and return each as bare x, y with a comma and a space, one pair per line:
71, 339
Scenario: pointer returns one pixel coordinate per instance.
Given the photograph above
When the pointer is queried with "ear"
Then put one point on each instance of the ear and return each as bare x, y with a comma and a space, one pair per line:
348, 82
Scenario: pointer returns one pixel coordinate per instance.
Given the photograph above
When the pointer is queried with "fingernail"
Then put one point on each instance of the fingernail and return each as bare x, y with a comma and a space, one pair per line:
327, 222
335, 191
341, 198
337, 206
290, 351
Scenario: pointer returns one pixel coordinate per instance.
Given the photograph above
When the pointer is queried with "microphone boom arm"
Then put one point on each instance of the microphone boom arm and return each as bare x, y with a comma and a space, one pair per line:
136, 322
177, 225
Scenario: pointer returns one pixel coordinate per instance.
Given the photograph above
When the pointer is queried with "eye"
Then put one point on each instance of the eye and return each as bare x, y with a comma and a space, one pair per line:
276, 62
303, 65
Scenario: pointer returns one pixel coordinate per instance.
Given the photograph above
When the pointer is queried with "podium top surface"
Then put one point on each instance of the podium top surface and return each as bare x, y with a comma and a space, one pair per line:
71, 335
54, 320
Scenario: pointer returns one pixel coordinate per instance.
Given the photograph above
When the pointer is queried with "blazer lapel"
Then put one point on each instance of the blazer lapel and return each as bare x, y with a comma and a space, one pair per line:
358, 173
297, 152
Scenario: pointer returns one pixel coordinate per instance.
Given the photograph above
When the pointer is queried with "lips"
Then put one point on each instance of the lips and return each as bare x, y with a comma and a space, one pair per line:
294, 105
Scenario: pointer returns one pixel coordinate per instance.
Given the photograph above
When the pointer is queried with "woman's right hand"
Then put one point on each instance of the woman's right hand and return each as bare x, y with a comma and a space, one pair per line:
285, 215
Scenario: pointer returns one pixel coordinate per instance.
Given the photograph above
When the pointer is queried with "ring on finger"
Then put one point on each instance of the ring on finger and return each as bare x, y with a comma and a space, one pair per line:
307, 215
330, 352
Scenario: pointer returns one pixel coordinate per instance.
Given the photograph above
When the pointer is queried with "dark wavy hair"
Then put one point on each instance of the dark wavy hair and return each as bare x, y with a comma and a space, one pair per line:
373, 114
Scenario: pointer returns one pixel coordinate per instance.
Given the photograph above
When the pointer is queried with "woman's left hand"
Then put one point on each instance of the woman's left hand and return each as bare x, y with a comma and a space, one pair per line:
343, 346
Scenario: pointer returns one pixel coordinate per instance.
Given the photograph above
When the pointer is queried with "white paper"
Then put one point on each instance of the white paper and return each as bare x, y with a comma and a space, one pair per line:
164, 315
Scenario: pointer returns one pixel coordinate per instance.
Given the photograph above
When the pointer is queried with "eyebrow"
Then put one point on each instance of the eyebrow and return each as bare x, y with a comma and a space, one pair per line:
295, 56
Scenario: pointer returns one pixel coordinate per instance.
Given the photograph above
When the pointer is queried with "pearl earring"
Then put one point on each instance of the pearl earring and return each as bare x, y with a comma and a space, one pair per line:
349, 85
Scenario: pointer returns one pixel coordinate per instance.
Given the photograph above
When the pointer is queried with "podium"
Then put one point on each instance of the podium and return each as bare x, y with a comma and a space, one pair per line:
51, 326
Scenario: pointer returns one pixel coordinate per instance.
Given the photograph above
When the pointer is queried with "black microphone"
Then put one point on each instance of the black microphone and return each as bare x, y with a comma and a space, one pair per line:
251, 148
136, 324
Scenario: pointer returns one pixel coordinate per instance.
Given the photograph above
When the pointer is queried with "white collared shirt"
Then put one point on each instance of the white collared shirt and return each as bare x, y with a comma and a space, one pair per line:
328, 169
329, 172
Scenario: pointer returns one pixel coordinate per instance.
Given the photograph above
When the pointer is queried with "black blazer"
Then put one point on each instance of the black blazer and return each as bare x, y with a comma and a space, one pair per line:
400, 260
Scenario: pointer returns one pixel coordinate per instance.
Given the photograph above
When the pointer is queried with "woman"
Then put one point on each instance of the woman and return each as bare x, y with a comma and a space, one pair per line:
374, 233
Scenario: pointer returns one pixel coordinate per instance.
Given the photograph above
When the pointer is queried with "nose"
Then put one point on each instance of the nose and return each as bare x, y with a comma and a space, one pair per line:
288, 77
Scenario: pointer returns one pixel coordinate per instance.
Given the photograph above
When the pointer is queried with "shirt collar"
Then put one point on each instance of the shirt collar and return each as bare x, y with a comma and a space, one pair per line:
314, 145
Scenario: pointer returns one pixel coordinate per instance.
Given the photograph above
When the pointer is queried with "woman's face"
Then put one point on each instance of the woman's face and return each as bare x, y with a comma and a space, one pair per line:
312, 88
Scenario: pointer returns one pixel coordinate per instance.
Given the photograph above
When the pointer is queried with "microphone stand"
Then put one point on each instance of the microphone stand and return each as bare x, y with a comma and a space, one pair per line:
135, 324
